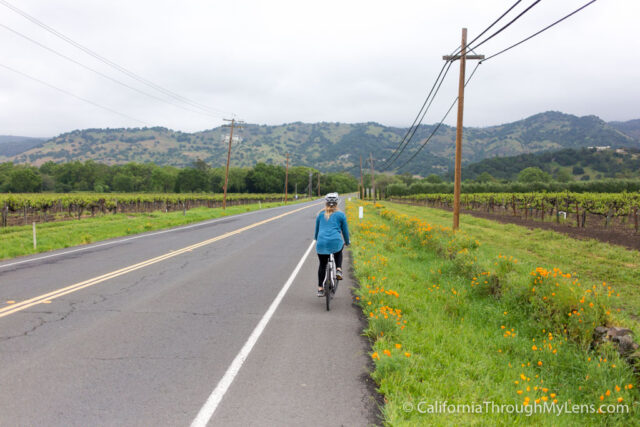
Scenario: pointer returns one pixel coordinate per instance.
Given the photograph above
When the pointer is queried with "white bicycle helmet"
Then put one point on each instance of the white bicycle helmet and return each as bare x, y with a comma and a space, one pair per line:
331, 198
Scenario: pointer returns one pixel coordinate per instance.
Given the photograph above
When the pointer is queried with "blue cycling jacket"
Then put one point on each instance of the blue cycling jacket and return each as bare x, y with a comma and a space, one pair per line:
329, 233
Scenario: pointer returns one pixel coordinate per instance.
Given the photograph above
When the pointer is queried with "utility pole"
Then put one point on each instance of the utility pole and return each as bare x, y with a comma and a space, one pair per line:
286, 181
310, 184
458, 171
373, 179
318, 183
226, 175
361, 181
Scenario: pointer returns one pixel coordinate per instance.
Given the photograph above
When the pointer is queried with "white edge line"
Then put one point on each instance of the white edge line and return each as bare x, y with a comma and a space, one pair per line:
206, 412
184, 227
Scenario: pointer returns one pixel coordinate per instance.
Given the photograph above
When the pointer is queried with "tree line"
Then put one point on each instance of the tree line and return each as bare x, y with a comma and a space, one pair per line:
138, 177
531, 179
563, 165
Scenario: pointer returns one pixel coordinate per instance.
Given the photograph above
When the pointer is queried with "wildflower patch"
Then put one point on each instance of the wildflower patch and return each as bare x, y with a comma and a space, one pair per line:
449, 323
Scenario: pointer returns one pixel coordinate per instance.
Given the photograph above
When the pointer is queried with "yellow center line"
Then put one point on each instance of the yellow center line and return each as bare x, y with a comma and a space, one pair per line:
22, 305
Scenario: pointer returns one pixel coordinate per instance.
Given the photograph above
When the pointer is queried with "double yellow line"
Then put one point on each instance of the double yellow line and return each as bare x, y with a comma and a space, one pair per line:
22, 305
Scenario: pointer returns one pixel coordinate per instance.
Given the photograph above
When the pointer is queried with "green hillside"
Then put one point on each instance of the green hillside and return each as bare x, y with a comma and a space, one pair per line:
326, 146
567, 164
631, 128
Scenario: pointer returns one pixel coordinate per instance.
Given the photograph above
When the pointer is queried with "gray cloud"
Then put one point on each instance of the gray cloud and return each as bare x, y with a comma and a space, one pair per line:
283, 61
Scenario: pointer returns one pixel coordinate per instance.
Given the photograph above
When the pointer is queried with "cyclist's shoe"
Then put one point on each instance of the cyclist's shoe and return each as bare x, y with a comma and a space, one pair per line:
320, 293
339, 274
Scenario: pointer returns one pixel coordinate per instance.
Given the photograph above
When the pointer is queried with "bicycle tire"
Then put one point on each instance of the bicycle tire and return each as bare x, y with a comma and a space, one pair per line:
334, 289
328, 289
327, 295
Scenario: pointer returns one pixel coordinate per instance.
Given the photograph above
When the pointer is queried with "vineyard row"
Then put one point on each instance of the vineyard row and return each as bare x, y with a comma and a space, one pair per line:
22, 209
620, 208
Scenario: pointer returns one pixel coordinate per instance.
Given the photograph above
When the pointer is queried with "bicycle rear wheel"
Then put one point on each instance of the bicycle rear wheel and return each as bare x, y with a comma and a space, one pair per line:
327, 295
328, 289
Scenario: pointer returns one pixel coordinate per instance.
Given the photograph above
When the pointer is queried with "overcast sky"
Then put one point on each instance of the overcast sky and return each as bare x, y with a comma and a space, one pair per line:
273, 62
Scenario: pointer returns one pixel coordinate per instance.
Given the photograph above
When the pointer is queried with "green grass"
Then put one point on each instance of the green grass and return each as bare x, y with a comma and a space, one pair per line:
592, 260
452, 332
17, 241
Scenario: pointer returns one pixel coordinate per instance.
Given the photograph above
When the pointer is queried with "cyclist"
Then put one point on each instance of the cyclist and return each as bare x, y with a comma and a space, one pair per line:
332, 233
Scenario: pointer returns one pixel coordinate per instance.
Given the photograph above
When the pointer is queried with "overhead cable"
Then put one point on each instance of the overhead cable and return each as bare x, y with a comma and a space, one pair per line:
539, 32
415, 128
441, 121
73, 95
489, 27
100, 73
111, 63
507, 25
390, 159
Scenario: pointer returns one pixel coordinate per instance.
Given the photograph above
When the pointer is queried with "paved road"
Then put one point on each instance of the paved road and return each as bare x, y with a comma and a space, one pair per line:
147, 346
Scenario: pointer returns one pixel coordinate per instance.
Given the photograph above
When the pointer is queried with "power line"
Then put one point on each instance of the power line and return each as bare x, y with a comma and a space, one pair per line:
541, 31
413, 126
507, 25
493, 56
111, 63
98, 72
73, 95
411, 129
457, 52
441, 121
415, 129
384, 166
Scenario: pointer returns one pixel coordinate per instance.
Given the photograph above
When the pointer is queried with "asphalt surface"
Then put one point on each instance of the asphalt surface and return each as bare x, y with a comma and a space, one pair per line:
148, 347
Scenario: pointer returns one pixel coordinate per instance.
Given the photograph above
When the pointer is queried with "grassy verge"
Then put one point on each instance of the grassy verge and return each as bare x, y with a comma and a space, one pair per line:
595, 261
455, 319
18, 241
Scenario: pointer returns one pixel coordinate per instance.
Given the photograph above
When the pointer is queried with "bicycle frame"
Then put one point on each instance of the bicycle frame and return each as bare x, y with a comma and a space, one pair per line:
330, 282
331, 272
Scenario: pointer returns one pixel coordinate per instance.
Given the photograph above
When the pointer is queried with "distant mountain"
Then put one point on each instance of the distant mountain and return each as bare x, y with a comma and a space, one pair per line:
578, 164
631, 128
328, 146
12, 145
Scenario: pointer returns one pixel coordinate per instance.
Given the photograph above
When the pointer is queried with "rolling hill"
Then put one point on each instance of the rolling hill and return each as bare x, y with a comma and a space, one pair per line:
631, 128
13, 145
327, 146
577, 164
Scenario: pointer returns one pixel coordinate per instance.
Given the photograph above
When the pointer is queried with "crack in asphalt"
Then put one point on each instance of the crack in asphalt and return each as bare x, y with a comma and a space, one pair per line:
24, 334
42, 321
73, 308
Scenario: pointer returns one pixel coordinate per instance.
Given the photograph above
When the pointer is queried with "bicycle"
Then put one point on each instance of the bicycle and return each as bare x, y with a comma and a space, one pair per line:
330, 282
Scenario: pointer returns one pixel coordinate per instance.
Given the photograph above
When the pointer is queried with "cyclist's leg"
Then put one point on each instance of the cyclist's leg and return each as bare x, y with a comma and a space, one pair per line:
338, 258
324, 259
